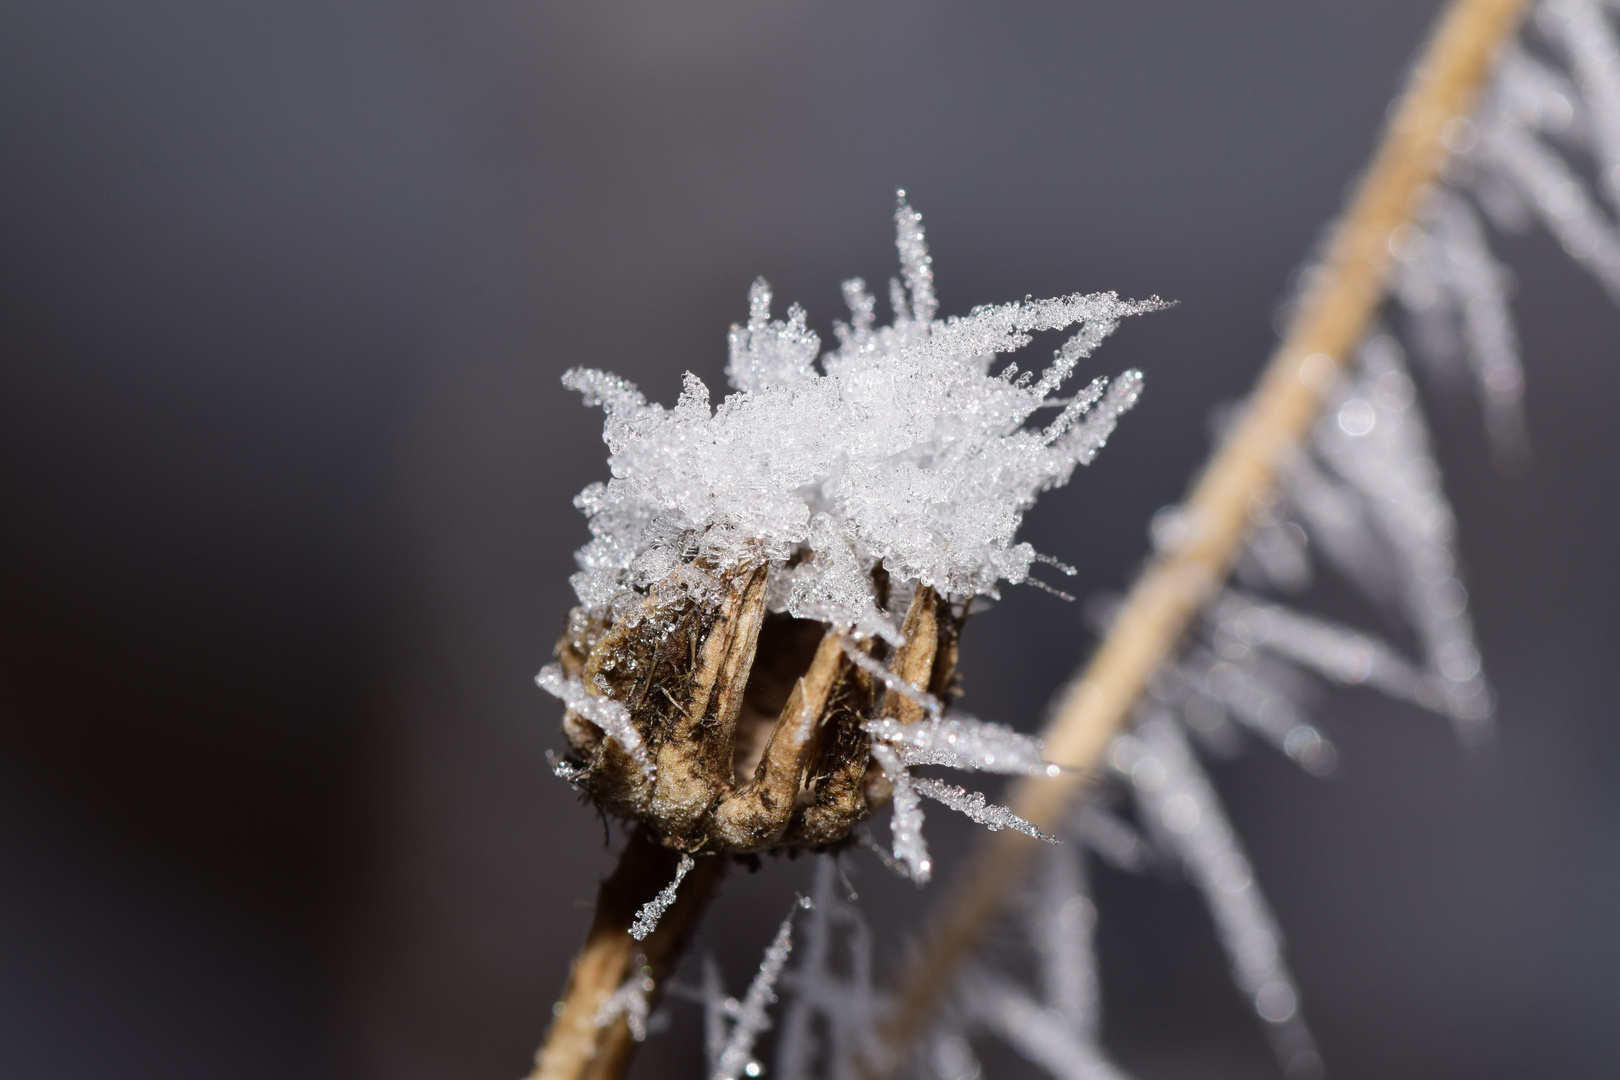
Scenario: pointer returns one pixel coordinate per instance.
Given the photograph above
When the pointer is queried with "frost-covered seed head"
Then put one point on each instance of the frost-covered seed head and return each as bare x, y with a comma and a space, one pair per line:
737, 675
902, 448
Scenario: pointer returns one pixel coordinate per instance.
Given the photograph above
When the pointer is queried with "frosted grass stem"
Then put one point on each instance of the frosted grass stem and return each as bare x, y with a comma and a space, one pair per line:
1345, 292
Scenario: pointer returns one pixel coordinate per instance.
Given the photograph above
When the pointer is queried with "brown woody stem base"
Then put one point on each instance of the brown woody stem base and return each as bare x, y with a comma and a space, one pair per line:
576, 1047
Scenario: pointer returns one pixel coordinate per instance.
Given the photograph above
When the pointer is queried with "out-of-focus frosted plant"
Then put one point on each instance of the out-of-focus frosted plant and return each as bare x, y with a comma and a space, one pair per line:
1358, 494
1544, 147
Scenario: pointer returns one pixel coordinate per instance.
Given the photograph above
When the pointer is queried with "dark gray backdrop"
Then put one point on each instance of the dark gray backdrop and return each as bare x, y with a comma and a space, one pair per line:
286, 473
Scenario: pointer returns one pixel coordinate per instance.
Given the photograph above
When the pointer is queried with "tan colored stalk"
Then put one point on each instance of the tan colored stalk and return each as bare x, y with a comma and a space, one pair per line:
1343, 295
576, 1046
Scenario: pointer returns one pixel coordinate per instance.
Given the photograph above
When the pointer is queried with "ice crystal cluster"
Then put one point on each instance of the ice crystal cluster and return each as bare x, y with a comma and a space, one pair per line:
866, 494
900, 446
959, 743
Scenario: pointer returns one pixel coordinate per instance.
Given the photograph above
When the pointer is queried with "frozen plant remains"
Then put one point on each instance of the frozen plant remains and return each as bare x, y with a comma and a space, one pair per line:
905, 451
770, 600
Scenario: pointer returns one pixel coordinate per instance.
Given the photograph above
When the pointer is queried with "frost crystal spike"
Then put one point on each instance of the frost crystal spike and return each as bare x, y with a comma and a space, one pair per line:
653, 910
830, 1017
1181, 808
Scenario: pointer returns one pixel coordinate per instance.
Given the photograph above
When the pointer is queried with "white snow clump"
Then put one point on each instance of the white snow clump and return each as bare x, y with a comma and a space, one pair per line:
903, 448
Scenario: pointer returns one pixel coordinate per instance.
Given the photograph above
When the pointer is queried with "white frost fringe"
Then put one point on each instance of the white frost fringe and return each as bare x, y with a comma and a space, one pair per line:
609, 715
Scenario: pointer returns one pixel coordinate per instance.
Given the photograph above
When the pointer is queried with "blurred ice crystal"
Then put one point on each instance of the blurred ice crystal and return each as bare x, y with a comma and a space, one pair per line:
1366, 495
828, 1022
1544, 145
630, 1001
903, 448
732, 1027
1448, 274
1182, 810
1384, 456
1056, 1022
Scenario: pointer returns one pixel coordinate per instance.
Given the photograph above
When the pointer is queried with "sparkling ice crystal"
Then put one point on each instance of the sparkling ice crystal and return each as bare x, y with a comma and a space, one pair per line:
973, 804
646, 920
962, 742
903, 448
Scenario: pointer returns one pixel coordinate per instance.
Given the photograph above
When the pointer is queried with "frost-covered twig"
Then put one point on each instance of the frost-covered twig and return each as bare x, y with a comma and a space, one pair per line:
592, 1035
1333, 315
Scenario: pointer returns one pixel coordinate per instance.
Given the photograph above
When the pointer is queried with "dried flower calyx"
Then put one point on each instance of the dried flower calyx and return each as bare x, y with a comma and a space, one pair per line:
752, 726
737, 651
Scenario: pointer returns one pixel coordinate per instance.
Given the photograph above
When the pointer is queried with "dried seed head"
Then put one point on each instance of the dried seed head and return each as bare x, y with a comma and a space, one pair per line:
735, 638
754, 722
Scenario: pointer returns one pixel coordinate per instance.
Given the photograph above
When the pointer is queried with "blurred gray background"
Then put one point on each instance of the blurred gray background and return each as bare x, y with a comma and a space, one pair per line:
286, 471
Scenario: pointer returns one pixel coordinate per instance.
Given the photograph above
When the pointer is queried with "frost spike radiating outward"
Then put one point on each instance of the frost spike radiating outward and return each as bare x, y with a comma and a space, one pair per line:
607, 714
1180, 805
964, 743
910, 849
915, 263
974, 805
904, 448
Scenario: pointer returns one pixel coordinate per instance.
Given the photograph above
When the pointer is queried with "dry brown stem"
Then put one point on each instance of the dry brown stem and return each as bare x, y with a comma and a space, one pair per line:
576, 1046
1343, 294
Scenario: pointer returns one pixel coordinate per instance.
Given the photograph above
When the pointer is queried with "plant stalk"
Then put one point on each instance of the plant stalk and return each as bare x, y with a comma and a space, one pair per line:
577, 1047
1343, 294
